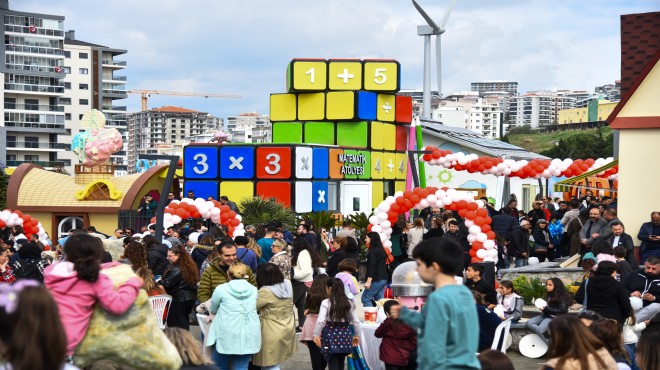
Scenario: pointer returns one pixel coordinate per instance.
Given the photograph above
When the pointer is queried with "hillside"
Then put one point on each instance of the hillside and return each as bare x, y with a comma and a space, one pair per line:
539, 142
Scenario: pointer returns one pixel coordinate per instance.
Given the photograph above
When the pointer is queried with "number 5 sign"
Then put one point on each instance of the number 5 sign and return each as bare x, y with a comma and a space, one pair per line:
273, 162
381, 75
200, 162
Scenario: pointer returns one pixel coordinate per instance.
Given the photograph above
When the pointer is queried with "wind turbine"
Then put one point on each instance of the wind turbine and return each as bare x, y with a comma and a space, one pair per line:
432, 29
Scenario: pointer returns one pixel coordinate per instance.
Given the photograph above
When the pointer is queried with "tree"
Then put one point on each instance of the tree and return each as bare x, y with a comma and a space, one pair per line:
583, 146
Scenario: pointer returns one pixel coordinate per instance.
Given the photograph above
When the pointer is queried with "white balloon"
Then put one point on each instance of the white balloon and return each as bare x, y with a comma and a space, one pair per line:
423, 203
482, 253
19, 221
188, 200
239, 217
373, 219
209, 205
492, 253
475, 230
382, 216
471, 238
176, 219
447, 200
489, 244
439, 203
533, 261
239, 232
387, 244
384, 207
480, 203
469, 223
239, 227
481, 236
4, 215
431, 198
385, 224
376, 228
215, 212
490, 259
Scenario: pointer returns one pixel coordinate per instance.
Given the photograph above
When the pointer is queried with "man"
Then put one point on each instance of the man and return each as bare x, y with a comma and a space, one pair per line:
647, 287
191, 194
218, 271
304, 231
226, 202
475, 282
129, 231
620, 238
562, 209
265, 244
147, 207
346, 230
519, 245
118, 234
512, 204
250, 230
536, 213
171, 197
592, 228
571, 214
453, 233
609, 215
93, 232
504, 223
606, 201
649, 234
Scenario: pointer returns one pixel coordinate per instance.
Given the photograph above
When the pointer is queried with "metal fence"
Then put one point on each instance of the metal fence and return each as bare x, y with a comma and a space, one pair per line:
135, 220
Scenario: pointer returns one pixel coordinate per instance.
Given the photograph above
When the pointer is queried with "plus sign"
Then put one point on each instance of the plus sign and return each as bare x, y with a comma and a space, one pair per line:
387, 108
391, 166
345, 76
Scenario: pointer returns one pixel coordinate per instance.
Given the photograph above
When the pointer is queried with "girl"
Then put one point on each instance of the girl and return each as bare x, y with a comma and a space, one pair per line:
278, 327
150, 285
304, 260
347, 268
583, 351
510, 301
188, 348
5, 267
317, 293
235, 333
180, 281
31, 332
558, 301
604, 294
415, 235
630, 338
609, 332
78, 283
374, 287
135, 254
332, 331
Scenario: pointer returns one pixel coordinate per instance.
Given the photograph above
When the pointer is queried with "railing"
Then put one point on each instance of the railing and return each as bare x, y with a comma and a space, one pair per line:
114, 91
116, 122
121, 63
34, 30
35, 68
62, 163
113, 78
49, 126
34, 107
115, 107
106, 169
36, 145
35, 88
135, 220
34, 49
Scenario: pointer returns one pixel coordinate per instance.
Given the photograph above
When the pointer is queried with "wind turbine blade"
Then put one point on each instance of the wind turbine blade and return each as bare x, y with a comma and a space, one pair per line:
445, 18
438, 61
426, 17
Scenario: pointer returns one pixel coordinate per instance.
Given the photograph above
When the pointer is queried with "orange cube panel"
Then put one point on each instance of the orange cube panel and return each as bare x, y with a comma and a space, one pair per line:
273, 162
335, 165
278, 190
404, 109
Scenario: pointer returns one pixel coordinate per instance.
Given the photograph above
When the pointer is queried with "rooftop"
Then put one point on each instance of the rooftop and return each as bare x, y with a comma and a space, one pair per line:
172, 109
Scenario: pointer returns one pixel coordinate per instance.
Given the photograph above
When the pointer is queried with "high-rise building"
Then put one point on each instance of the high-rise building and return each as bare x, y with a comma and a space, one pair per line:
150, 131
249, 128
32, 120
497, 86
611, 92
473, 113
538, 108
94, 80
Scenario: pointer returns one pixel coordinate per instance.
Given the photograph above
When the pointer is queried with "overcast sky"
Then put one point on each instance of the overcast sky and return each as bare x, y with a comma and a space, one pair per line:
243, 46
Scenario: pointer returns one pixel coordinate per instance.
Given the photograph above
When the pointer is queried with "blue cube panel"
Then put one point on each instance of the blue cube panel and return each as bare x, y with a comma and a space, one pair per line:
319, 196
202, 189
236, 162
366, 105
321, 163
200, 162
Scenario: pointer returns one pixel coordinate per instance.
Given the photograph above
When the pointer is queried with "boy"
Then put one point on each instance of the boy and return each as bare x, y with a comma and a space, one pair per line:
624, 267
448, 328
399, 340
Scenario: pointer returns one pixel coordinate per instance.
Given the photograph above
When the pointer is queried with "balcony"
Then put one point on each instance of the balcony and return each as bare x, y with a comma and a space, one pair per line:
35, 68
36, 125
34, 107
30, 145
46, 51
27, 88
114, 91
122, 123
113, 78
46, 164
114, 63
32, 30
120, 108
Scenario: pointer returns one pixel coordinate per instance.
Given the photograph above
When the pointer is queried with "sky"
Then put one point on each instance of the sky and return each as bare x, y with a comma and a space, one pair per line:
244, 46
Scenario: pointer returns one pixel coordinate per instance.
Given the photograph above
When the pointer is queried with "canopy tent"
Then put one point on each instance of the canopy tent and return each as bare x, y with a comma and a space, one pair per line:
566, 185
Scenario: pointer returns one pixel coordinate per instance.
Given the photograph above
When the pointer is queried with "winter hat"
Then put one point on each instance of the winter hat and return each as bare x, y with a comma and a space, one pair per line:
589, 256
193, 238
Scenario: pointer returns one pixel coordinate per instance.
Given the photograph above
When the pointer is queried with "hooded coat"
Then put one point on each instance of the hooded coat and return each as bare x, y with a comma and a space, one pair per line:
235, 329
214, 276
278, 330
606, 296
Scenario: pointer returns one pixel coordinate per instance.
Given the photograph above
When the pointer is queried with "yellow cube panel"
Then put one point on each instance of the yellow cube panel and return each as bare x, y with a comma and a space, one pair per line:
345, 75
283, 107
376, 135
401, 164
385, 109
340, 105
399, 186
237, 190
311, 107
377, 165
377, 191
389, 166
389, 136
381, 76
310, 75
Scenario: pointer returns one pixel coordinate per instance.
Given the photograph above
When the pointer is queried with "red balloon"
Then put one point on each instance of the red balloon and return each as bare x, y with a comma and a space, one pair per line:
471, 215
369, 227
477, 245
485, 228
407, 194
427, 157
230, 230
224, 209
232, 214
392, 214
462, 212
409, 204
414, 198
400, 201
473, 206
27, 218
473, 253
195, 214
395, 207
19, 213
462, 204
235, 222
153, 220
489, 220
479, 221
224, 216
216, 203
482, 212
182, 213
169, 210
423, 193
2, 224
491, 235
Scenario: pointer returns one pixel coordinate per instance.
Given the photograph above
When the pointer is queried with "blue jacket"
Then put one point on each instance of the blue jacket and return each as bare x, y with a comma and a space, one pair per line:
236, 329
247, 257
644, 232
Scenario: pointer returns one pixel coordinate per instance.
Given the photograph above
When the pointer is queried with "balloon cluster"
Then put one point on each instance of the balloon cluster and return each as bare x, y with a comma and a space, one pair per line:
536, 168
481, 236
177, 211
31, 226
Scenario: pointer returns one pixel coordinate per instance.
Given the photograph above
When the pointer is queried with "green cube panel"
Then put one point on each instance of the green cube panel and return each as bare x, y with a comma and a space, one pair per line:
366, 175
287, 133
359, 168
352, 134
319, 133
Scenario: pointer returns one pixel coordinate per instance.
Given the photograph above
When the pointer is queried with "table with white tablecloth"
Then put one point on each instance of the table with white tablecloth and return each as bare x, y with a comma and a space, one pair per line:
370, 346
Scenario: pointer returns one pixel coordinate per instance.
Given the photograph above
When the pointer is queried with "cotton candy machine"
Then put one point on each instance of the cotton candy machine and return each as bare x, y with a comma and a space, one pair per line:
408, 287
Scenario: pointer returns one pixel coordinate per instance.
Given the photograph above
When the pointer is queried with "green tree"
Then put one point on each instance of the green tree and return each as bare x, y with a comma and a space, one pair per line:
583, 146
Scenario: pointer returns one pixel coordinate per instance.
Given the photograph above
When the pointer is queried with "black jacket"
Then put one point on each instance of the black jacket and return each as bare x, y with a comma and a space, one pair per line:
541, 237
485, 288
519, 242
626, 241
638, 282
175, 286
157, 259
333, 262
606, 296
503, 225
556, 307
376, 266
435, 232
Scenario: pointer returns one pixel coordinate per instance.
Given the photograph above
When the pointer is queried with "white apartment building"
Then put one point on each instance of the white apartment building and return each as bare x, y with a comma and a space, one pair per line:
509, 87
151, 131
473, 113
94, 80
249, 128
538, 108
32, 71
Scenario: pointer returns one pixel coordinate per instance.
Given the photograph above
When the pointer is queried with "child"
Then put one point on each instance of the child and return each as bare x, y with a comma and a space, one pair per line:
447, 326
399, 340
332, 331
488, 322
347, 268
631, 328
511, 302
624, 267
315, 296
78, 283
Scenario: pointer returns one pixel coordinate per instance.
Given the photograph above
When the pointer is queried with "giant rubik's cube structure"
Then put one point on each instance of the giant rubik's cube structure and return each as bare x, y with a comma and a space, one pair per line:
340, 120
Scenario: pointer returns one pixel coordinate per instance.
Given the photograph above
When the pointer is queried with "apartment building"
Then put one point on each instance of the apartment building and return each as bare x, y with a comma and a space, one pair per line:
538, 108
152, 130
32, 120
249, 128
472, 112
508, 87
94, 79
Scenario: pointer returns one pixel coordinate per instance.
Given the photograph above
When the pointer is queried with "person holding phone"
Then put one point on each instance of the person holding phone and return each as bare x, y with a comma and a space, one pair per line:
649, 234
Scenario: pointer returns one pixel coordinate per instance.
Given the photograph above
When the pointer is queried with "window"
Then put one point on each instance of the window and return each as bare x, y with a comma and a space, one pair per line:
31, 142
83, 86
67, 85
67, 116
66, 70
83, 102
11, 141
83, 71
11, 157
32, 158
80, 116
65, 101
32, 104
67, 54
83, 55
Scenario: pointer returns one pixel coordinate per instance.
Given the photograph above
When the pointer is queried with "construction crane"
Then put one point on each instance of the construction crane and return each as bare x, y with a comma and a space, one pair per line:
146, 93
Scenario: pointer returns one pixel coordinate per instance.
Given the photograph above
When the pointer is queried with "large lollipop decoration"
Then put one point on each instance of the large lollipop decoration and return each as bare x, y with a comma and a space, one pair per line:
96, 144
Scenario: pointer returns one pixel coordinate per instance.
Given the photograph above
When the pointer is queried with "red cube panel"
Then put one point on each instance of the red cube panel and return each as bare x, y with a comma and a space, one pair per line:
273, 162
404, 109
402, 138
278, 190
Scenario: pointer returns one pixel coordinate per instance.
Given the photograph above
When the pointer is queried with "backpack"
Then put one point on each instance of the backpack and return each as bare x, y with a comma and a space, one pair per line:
30, 269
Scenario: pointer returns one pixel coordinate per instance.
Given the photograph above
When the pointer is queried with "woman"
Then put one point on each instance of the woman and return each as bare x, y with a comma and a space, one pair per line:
135, 254
541, 236
235, 333
278, 328
648, 351
180, 281
150, 285
582, 352
188, 348
254, 247
415, 235
281, 258
5, 268
156, 255
558, 301
399, 245
337, 256
605, 295
374, 287
200, 248
611, 335
324, 247
304, 260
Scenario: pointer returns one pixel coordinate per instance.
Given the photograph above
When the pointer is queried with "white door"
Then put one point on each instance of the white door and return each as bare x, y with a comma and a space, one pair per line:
355, 197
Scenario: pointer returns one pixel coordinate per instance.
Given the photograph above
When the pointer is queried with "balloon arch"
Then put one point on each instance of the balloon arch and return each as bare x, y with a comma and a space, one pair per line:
30, 224
178, 211
481, 237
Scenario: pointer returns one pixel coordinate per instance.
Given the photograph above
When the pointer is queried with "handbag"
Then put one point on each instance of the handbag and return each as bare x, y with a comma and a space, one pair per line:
584, 301
356, 361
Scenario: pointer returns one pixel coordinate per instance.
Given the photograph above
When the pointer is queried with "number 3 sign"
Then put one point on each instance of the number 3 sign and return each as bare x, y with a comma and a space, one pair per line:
273, 163
200, 162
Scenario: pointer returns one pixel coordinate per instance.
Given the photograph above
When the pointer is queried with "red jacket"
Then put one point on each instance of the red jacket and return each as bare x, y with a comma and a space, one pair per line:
399, 340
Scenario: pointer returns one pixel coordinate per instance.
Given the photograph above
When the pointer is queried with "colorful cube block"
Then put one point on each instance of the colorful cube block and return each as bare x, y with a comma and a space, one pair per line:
275, 189
402, 138
319, 133
335, 165
307, 75
236, 162
319, 196
386, 108
377, 193
389, 165
381, 75
287, 133
340, 105
366, 105
303, 196
389, 136
273, 162
376, 135
303, 162
200, 162
345, 74
237, 191
311, 107
404, 109
202, 189
320, 159
283, 107
352, 134
377, 165
401, 163
399, 186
